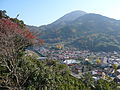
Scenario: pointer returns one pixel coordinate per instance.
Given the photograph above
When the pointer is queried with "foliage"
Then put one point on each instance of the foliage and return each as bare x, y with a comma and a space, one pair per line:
3, 14
50, 75
115, 66
98, 61
13, 41
106, 85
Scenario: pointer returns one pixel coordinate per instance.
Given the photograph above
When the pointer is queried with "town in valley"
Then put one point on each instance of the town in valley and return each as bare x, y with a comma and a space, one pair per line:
98, 64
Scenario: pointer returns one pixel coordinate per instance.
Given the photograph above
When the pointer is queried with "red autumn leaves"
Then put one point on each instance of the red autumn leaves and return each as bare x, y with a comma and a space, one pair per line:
7, 24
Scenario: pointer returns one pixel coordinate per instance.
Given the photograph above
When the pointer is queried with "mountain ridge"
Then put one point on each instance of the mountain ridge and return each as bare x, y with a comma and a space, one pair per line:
86, 31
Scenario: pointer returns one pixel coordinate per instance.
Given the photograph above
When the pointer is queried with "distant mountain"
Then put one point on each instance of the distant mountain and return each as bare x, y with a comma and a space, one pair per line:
84, 31
69, 17
64, 20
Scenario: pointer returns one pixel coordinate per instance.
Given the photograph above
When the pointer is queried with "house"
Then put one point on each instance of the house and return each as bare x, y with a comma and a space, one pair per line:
71, 61
42, 58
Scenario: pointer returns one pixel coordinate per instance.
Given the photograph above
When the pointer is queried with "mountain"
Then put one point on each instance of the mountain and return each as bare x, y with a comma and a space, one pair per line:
86, 31
64, 20
69, 17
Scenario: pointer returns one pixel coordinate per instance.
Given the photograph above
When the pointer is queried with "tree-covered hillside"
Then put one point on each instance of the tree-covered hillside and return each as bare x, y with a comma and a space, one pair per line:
89, 31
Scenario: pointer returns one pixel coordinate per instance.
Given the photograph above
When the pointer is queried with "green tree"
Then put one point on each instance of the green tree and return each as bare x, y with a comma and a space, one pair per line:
3, 14
115, 66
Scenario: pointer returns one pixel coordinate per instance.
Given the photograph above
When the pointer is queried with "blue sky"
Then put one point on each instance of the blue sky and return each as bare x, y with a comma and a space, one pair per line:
40, 12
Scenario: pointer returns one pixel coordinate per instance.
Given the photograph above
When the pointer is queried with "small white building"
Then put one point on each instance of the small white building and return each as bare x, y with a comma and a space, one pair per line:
71, 61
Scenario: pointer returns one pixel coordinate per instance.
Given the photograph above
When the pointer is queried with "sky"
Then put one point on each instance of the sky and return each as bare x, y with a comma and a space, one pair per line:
43, 12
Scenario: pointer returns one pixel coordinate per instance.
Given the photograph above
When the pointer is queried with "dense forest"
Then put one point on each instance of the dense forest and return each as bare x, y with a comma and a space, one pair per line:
21, 72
